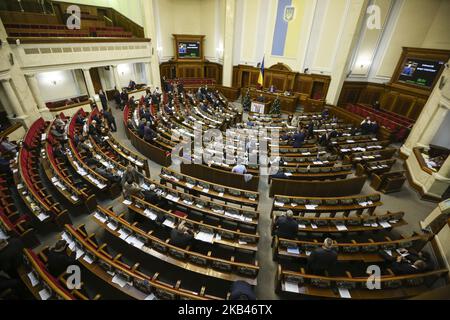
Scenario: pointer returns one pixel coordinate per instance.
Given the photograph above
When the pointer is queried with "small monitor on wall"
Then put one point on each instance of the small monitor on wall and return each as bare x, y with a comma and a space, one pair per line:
418, 69
420, 72
189, 49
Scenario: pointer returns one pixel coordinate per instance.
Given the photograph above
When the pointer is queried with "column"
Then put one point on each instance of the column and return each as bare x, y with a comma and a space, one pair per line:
89, 83
230, 13
36, 92
444, 171
14, 101
354, 20
150, 33
5, 103
433, 126
116, 78
148, 73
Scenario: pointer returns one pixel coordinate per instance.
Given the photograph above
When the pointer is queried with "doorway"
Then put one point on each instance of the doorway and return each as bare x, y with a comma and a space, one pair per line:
95, 76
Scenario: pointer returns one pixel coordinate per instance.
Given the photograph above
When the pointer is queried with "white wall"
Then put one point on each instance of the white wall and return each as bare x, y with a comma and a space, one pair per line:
197, 17
405, 23
58, 85
442, 137
131, 71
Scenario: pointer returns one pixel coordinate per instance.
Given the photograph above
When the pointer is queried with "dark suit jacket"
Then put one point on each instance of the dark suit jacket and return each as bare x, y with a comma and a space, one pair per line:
299, 138
403, 267
180, 239
241, 288
58, 262
286, 227
11, 256
321, 260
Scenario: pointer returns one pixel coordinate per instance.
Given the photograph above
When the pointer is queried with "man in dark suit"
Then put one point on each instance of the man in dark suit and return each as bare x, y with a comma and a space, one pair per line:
322, 259
181, 236
286, 226
241, 290
260, 98
103, 99
58, 260
132, 85
299, 138
404, 266
407, 262
110, 119
11, 256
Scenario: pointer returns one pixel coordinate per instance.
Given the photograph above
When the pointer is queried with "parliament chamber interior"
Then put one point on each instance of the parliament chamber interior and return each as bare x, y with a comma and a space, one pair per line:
224, 150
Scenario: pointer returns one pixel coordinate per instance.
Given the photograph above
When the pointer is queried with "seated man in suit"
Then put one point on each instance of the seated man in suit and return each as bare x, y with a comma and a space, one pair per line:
241, 290
322, 259
58, 260
365, 126
181, 236
260, 98
405, 266
106, 173
132, 85
6, 146
11, 256
286, 226
299, 139
407, 262
59, 152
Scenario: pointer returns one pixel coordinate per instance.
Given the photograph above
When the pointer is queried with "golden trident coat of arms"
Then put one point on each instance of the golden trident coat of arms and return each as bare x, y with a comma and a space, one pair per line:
289, 13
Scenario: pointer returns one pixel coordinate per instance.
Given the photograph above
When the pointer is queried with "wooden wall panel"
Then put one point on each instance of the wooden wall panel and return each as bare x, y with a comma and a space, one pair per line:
401, 101
209, 70
282, 77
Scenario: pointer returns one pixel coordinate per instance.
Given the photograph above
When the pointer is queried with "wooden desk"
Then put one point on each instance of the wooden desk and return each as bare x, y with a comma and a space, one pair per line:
287, 103
336, 188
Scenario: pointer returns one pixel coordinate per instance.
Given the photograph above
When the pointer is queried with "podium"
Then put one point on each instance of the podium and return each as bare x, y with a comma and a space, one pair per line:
259, 107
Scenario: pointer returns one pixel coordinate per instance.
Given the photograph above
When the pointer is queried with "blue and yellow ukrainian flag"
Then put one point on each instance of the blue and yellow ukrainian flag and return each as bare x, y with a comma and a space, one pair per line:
261, 74
286, 33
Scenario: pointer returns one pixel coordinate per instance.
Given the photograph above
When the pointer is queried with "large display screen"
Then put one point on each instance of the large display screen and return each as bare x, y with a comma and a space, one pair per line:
189, 49
420, 72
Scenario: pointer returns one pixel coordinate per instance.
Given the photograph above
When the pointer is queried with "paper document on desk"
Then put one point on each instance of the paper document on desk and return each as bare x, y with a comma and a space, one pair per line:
150, 214
112, 226
99, 217
169, 223
344, 293
44, 294
311, 206
205, 236
291, 287
88, 259
151, 297
293, 250
385, 224
79, 254
34, 281
119, 280
123, 234
341, 227
43, 216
